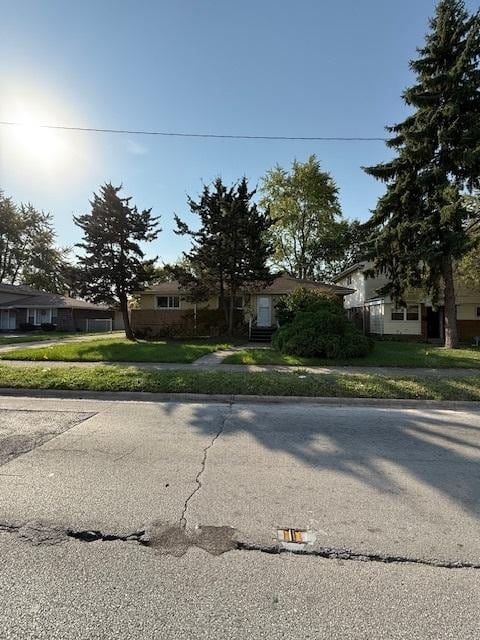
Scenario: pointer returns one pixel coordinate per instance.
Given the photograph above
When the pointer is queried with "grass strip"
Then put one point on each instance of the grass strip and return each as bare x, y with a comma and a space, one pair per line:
111, 378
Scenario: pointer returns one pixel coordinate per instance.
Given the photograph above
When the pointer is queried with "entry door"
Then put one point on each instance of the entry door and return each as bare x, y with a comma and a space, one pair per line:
433, 323
264, 311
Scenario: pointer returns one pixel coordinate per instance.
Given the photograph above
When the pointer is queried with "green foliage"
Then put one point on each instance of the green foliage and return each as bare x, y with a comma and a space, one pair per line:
28, 254
112, 261
309, 236
303, 299
321, 334
419, 226
230, 251
317, 326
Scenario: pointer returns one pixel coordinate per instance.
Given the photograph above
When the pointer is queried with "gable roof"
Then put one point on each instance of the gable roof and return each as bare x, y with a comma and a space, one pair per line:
358, 266
282, 284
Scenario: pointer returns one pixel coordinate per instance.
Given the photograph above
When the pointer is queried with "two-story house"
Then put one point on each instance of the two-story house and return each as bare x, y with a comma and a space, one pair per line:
419, 319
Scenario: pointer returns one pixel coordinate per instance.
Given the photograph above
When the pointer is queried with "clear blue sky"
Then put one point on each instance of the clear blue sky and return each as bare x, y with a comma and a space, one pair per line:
266, 67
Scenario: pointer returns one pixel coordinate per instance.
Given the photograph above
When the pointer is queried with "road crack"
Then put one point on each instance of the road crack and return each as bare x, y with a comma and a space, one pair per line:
198, 481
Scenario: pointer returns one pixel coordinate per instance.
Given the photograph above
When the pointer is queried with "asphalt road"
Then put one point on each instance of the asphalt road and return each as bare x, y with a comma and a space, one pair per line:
150, 520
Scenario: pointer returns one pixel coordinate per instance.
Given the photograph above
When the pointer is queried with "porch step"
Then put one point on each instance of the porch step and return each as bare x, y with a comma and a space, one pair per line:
261, 334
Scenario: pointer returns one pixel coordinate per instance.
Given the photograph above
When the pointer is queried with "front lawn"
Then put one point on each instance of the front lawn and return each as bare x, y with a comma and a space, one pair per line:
40, 337
120, 350
111, 378
384, 354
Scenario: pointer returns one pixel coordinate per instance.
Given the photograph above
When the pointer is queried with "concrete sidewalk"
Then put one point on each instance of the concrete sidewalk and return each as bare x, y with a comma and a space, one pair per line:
207, 363
14, 346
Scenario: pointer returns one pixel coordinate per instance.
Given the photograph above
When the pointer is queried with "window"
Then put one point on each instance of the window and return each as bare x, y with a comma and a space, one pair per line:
398, 314
237, 303
478, 312
168, 302
41, 316
412, 312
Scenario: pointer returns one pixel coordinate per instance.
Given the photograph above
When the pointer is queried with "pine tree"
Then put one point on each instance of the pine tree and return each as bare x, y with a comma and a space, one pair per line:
114, 265
419, 227
230, 251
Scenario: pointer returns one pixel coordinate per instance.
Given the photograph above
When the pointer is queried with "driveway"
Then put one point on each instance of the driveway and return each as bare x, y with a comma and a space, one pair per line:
143, 519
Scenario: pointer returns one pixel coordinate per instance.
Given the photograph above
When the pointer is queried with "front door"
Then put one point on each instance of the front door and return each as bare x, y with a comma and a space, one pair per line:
264, 311
433, 323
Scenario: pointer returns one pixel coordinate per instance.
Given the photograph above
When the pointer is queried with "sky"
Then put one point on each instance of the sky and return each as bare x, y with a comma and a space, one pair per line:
256, 67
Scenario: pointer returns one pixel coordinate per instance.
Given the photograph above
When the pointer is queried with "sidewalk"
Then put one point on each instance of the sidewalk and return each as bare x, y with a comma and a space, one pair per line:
213, 362
37, 344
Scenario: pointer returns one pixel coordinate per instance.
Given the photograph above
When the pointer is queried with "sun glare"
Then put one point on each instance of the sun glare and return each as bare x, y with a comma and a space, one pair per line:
33, 149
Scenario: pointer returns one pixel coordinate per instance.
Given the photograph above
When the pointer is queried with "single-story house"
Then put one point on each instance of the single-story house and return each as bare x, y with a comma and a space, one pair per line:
165, 308
418, 320
20, 305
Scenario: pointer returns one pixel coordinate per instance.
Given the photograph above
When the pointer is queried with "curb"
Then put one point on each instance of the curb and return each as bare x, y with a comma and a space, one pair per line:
146, 396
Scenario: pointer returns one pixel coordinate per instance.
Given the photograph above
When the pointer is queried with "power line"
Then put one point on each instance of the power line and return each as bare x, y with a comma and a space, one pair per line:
176, 134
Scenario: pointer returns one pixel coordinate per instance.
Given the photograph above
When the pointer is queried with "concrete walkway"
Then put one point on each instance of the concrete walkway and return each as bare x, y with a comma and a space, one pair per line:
37, 344
209, 363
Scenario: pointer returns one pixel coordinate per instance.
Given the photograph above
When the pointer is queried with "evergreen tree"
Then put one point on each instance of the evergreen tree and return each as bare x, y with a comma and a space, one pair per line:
113, 262
419, 226
230, 251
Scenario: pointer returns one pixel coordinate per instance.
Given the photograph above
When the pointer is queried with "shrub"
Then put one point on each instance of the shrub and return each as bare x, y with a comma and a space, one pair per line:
47, 326
305, 300
314, 324
27, 326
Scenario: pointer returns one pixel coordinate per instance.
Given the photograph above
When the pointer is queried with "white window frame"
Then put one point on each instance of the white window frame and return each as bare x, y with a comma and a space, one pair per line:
36, 321
170, 306
404, 311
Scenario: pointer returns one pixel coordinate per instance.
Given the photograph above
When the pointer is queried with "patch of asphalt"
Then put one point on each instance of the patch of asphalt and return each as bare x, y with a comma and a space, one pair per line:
176, 540
24, 430
14, 346
147, 396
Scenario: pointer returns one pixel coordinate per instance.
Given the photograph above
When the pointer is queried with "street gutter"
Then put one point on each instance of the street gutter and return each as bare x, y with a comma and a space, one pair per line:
146, 396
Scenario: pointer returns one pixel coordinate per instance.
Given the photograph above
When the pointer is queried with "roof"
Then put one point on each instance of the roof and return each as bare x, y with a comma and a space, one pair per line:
20, 289
34, 298
282, 284
358, 266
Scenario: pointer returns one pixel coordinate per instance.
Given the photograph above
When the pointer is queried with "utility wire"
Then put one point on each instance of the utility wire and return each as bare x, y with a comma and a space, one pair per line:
199, 135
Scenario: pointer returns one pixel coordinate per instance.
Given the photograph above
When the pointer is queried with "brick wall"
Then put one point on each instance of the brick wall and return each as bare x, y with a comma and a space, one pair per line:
157, 323
467, 329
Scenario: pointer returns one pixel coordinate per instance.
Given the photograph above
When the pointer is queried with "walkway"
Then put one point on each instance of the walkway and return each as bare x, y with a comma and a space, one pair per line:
213, 362
37, 344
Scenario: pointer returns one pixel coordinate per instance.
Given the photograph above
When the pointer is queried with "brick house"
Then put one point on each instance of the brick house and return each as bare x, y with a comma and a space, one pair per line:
20, 305
164, 309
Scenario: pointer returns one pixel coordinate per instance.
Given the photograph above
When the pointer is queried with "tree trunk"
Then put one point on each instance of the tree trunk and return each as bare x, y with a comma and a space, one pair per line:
231, 312
126, 318
451, 331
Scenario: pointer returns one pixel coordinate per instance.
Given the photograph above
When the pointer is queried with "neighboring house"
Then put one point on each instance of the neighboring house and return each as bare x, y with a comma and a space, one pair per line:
165, 306
419, 319
20, 305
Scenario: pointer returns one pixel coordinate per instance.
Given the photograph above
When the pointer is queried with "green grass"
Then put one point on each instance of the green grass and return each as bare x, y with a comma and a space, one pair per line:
120, 350
384, 354
111, 378
40, 337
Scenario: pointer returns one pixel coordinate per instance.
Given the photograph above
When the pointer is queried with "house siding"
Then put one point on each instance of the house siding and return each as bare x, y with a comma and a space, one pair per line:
403, 327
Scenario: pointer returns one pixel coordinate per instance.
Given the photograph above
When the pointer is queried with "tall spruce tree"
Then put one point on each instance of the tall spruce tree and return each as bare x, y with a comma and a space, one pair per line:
113, 262
230, 251
419, 227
